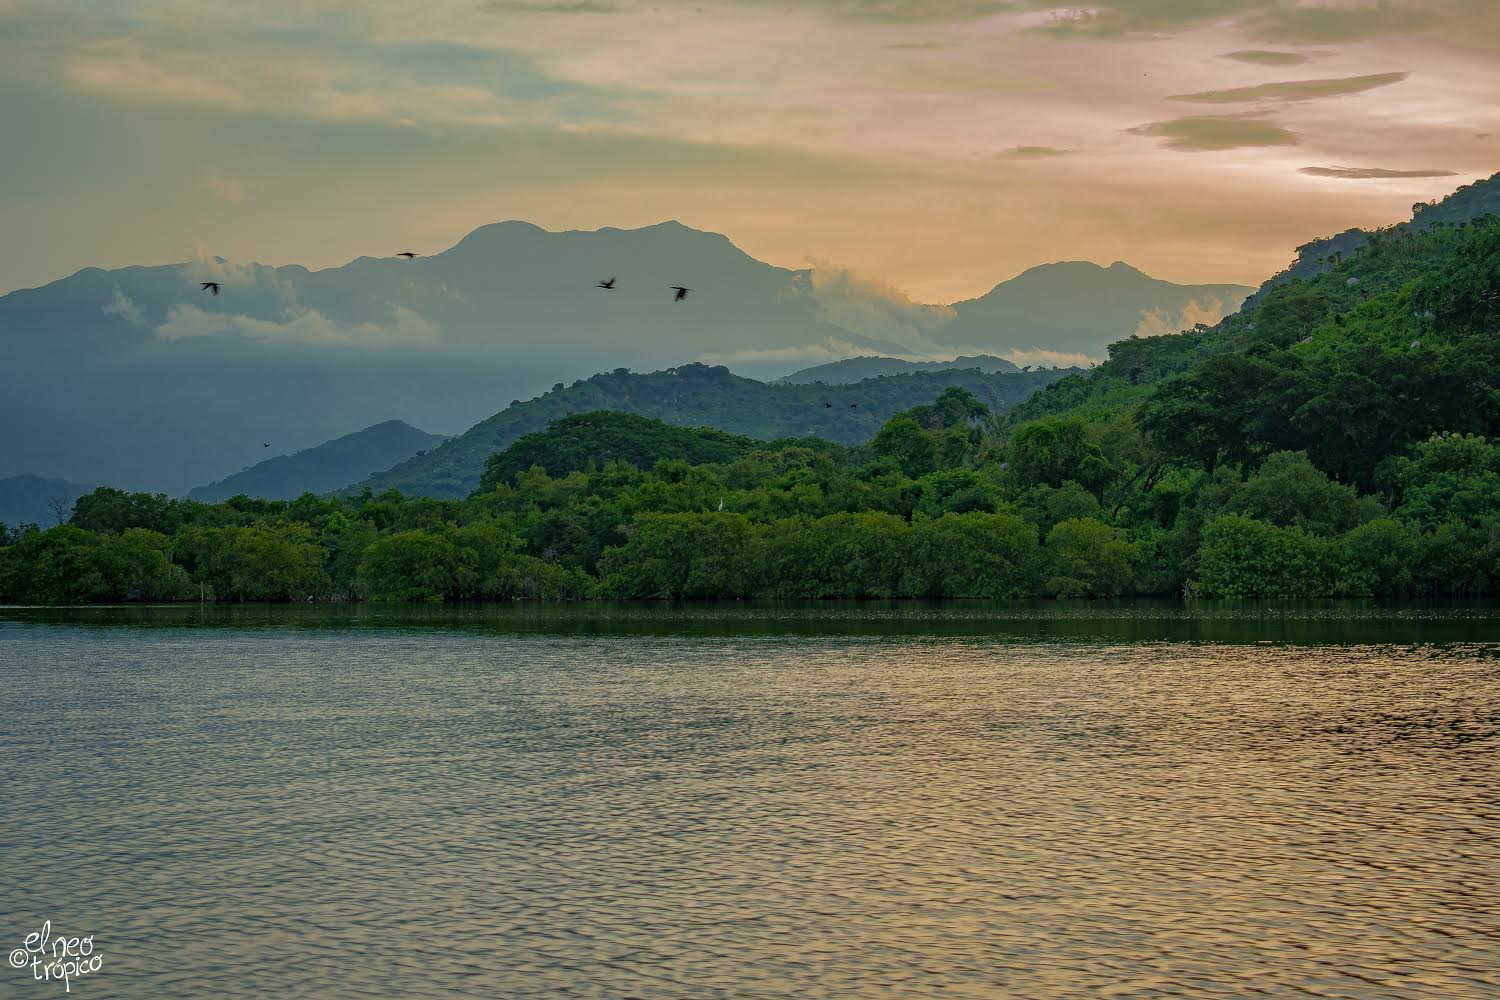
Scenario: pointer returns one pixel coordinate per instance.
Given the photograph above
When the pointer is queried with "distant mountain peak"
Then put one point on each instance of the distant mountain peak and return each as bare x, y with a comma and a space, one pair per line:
1069, 310
494, 231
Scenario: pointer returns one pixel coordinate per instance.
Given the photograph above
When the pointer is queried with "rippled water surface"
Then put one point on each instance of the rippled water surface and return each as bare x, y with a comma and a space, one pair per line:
962, 802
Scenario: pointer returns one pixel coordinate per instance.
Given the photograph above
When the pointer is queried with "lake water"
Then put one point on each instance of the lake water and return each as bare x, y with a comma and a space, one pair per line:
857, 801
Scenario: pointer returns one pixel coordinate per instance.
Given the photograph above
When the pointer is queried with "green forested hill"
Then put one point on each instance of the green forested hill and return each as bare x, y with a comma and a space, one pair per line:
593, 440
1468, 204
1371, 389
1397, 328
701, 396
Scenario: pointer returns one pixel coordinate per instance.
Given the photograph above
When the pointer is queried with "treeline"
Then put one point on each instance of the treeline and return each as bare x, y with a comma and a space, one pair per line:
923, 511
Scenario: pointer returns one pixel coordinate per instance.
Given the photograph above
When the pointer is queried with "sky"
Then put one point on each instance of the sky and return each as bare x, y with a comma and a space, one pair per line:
940, 147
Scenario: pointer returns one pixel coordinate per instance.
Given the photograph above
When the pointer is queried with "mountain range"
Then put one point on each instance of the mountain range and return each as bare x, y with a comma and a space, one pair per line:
139, 378
857, 369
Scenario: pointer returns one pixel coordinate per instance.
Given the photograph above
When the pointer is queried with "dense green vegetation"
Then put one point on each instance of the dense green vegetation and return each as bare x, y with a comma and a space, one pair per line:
1469, 203
591, 440
1338, 438
700, 396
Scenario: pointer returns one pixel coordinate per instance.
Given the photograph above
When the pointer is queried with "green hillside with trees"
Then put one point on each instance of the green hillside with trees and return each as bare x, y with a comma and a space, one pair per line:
586, 441
700, 396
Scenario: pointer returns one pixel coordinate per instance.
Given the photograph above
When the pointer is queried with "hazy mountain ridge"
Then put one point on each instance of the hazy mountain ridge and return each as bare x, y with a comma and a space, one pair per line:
182, 387
1044, 308
36, 500
701, 396
857, 369
168, 387
326, 467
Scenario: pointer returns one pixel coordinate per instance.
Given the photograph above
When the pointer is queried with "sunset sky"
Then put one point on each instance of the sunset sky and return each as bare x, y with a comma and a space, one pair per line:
940, 147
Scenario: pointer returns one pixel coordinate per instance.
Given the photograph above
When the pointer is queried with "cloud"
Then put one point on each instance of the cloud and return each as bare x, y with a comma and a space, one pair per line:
1294, 90
915, 11
550, 7
307, 326
225, 187
1036, 152
1266, 57
1038, 356
866, 306
1158, 322
119, 69
834, 141
1349, 21
830, 349
1123, 17
1218, 132
1370, 173
1287, 20
123, 306
206, 267
1280, 20
337, 78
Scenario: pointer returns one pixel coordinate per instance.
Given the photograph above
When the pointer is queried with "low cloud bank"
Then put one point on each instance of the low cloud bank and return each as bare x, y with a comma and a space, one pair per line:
1159, 322
308, 326
866, 306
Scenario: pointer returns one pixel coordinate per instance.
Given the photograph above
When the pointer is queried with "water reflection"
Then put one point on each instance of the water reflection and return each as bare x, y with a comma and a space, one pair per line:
946, 802
1308, 622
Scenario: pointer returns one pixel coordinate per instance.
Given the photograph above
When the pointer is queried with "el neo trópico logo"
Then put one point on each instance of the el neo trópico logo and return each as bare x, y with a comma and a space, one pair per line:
57, 959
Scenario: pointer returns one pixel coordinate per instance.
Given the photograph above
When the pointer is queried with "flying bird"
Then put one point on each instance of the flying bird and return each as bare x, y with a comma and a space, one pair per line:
210, 286
681, 293
853, 406
610, 284
266, 445
827, 406
407, 254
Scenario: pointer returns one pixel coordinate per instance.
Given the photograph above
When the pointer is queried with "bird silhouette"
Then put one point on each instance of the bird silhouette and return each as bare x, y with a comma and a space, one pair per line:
266, 445
407, 254
827, 406
210, 286
853, 406
681, 293
610, 284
